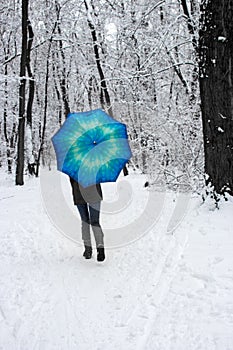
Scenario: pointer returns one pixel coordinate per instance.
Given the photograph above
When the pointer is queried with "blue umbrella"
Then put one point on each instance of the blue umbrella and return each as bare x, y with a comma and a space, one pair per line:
91, 147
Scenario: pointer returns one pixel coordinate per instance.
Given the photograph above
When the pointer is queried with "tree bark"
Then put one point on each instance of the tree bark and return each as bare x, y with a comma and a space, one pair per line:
22, 87
216, 88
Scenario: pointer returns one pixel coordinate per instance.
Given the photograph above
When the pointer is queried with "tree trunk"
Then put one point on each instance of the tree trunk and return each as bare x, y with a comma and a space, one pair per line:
5, 115
57, 92
63, 80
104, 95
30, 75
193, 31
42, 135
216, 88
45, 114
190, 23
31, 93
22, 86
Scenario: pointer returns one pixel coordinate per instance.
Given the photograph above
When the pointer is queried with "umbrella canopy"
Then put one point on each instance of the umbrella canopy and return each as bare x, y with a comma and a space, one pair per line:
91, 147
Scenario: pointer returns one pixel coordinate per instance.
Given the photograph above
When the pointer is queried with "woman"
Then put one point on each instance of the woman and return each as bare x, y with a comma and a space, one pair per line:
88, 201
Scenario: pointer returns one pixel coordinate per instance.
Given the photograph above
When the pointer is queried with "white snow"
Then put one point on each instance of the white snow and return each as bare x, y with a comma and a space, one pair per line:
222, 38
111, 31
213, 60
222, 116
220, 129
155, 290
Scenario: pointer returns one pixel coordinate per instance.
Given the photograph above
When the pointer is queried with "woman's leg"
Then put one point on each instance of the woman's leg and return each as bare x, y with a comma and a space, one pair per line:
84, 214
94, 210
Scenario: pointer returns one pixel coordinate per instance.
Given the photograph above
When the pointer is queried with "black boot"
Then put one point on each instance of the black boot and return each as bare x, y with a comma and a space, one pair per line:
87, 252
100, 254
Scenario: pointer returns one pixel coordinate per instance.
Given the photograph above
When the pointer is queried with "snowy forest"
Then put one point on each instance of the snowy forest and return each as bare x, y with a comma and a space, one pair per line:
138, 60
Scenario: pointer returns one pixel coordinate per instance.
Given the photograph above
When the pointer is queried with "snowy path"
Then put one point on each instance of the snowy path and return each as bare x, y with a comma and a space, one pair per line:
160, 292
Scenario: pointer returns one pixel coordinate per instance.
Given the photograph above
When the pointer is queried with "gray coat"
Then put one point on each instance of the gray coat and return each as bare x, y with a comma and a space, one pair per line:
82, 195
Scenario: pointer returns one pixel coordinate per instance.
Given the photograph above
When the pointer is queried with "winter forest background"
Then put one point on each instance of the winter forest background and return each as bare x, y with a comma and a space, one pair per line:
164, 68
140, 60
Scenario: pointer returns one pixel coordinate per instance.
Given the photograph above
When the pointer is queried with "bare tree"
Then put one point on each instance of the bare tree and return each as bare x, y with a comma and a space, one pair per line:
22, 96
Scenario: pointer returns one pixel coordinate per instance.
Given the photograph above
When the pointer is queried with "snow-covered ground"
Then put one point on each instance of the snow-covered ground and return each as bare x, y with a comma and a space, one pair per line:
166, 284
